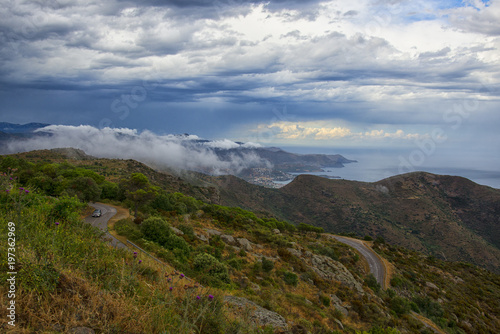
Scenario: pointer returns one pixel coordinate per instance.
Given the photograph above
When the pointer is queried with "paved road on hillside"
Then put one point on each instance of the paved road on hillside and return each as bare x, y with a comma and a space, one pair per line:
377, 267
102, 222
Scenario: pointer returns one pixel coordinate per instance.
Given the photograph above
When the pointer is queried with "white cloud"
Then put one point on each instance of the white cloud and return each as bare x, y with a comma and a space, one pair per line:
181, 152
324, 131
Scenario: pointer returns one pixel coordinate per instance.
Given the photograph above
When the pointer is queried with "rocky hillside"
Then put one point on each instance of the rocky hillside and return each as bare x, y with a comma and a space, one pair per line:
218, 269
446, 216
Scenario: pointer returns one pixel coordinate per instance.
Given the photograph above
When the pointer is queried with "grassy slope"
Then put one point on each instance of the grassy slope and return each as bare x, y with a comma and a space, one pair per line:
449, 217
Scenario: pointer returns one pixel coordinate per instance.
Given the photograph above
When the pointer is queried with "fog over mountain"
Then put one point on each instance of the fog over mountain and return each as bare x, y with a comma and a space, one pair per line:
175, 151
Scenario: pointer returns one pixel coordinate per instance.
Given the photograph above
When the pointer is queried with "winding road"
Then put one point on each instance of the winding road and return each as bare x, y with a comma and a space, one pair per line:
377, 267
107, 212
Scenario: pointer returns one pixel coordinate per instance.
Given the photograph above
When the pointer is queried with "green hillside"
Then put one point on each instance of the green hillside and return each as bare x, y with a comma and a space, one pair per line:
223, 270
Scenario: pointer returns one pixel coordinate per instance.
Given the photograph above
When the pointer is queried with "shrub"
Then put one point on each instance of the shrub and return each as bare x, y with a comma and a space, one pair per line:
128, 229
156, 229
210, 265
400, 305
372, 283
290, 278
325, 300
267, 265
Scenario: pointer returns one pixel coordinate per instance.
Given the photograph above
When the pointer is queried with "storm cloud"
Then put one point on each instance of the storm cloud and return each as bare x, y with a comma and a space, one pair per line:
220, 68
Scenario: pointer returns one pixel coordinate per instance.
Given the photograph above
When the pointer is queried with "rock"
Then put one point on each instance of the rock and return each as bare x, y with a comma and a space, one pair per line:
257, 314
431, 285
337, 303
255, 287
176, 231
228, 239
82, 330
294, 252
332, 270
308, 253
342, 310
339, 323
245, 244
202, 237
276, 231
236, 249
212, 232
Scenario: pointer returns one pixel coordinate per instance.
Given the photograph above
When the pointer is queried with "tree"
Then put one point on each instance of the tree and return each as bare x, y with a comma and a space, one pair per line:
138, 190
85, 188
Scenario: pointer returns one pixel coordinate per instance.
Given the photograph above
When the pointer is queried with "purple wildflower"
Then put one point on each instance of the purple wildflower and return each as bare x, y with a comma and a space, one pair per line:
169, 279
57, 223
27, 191
182, 275
21, 188
7, 190
140, 261
210, 297
198, 297
171, 288
135, 254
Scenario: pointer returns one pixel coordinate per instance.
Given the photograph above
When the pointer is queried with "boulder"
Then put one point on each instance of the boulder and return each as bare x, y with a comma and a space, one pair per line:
257, 314
294, 252
202, 237
276, 231
431, 285
228, 239
245, 244
337, 303
332, 270
211, 232
176, 231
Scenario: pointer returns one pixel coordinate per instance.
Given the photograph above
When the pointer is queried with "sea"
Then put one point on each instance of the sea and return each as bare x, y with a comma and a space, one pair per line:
374, 164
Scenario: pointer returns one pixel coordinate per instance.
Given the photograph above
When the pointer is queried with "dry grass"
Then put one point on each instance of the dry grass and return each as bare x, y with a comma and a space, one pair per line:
75, 303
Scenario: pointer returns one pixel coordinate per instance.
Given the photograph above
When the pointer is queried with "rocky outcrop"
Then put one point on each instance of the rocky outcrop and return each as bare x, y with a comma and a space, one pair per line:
212, 232
329, 269
245, 244
337, 303
228, 239
176, 231
257, 314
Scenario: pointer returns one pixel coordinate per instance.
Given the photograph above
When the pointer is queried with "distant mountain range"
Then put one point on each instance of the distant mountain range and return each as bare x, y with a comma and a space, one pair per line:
248, 155
11, 128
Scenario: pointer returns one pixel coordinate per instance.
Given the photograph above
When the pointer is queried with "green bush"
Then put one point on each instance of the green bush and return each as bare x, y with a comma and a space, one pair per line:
128, 229
428, 307
400, 305
156, 229
210, 265
325, 300
267, 265
372, 283
290, 278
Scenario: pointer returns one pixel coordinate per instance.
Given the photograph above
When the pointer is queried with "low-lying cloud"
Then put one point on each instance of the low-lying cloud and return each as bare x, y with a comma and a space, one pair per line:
181, 152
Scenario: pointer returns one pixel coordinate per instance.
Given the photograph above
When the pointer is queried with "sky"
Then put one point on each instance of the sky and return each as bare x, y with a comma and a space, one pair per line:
423, 76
